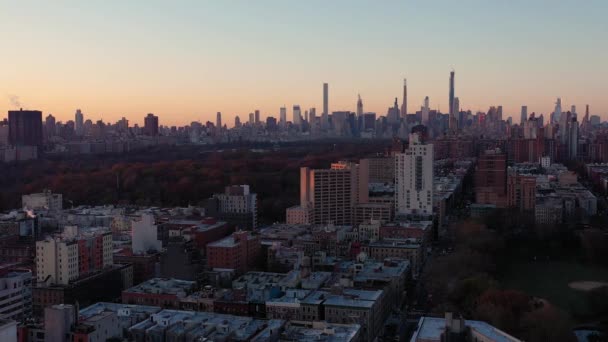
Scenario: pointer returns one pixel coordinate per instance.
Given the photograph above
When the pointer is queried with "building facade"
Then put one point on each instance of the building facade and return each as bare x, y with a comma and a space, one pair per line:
414, 178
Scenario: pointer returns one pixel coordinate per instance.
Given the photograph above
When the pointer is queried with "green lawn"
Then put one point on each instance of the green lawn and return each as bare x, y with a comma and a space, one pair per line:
549, 280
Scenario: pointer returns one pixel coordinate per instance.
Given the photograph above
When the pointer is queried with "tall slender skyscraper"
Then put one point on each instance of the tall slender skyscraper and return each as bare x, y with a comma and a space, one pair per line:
524, 115
312, 117
557, 113
79, 123
425, 111
324, 116
404, 104
218, 120
454, 117
451, 100
283, 116
359, 106
257, 116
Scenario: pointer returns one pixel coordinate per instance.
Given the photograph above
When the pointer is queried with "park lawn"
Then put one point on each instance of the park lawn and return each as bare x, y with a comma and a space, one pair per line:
550, 279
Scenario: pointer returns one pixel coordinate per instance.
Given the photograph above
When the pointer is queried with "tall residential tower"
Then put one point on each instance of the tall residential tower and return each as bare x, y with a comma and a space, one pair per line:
325, 115
404, 104
414, 178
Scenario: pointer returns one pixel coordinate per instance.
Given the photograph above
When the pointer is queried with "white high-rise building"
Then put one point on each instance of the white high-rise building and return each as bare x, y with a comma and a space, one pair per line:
60, 259
56, 261
414, 178
79, 123
145, 235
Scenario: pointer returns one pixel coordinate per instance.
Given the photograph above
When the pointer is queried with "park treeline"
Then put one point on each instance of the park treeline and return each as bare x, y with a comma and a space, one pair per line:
175, 176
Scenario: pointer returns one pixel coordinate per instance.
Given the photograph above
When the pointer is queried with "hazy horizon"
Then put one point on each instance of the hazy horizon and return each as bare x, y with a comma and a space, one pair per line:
184, 62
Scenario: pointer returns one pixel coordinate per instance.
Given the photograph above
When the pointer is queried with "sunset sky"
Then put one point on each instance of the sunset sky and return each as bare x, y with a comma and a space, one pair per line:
186, 60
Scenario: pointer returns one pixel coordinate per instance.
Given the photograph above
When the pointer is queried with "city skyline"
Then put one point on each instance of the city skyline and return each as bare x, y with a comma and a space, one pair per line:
185, 63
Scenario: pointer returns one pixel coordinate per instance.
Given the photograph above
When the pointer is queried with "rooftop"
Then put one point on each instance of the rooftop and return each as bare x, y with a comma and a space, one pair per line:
431, 328
120, 309
208, 325
176, 287
321, 332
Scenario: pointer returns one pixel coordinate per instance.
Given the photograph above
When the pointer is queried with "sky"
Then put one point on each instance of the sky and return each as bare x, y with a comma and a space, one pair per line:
186, 60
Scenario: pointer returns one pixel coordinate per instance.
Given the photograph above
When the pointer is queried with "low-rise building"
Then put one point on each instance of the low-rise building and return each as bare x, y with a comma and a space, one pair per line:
240, 252
42, 201
410, 249
431, 329
320, 332
262, 286
175, 325
103, 321
162, 292
286, 307
105, 285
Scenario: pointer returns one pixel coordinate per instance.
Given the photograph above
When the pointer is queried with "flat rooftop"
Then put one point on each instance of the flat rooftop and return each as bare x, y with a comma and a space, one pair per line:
431, 328
163, 286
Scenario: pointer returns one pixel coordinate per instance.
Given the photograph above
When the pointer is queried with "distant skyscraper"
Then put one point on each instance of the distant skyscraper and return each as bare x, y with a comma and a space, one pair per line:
283, 116
312, 116
393, 113
404, 104
49, 126
524, 115
25, 127
573, 109
451, 100
359, 106
150, 125
557, 113
454, 117
414, 178
79, 123
325, 115
251, 119
218, 120
573, 139
237, 121
425, 111
297, 115
564, 122
257, 116
585, 122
